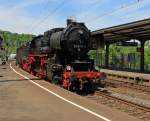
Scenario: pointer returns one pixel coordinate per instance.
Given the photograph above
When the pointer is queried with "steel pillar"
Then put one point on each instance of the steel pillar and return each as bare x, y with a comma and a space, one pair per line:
107, 56
142, 56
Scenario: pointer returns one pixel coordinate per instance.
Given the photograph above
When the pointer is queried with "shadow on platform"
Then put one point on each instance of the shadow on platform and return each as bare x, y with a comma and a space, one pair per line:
19, 80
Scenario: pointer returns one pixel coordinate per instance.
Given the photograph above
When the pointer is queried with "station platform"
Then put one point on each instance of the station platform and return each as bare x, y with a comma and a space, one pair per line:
24, 99
128, 75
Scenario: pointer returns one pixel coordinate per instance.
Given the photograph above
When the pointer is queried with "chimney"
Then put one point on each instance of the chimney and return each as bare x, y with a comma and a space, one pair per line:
69, 21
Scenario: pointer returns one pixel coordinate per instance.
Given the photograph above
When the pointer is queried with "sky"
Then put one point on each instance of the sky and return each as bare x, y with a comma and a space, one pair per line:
37, 16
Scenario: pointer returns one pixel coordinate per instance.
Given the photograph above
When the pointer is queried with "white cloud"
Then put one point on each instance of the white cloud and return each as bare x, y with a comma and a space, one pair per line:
14, 19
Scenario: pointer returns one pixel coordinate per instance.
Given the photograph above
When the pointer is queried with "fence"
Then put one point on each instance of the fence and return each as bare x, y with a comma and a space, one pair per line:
129, 61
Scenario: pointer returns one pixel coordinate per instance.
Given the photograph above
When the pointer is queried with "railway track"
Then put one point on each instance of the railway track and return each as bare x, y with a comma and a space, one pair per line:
131, 108
119, 83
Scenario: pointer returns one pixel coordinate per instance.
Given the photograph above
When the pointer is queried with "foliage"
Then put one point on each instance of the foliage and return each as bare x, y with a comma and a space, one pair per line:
117, 52
13, 40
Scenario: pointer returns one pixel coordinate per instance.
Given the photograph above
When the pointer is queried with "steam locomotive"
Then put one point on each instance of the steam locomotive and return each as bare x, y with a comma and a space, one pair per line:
61, 56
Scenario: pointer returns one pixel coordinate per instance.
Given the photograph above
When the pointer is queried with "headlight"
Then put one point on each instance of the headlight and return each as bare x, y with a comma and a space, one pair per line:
97, 68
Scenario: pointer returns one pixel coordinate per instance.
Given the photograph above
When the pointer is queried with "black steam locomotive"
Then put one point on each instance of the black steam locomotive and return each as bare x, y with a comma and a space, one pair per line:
61, 56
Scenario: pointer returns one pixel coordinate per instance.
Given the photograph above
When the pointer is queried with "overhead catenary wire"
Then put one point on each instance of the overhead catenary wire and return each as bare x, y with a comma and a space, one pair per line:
89, 7
92, 20
44, 8
48, 15
36, 25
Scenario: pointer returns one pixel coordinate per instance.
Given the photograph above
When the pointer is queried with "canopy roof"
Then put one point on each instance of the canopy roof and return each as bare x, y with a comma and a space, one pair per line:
139, 30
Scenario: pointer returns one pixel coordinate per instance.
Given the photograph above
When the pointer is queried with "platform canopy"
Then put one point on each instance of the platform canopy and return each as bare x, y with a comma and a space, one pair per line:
139, 30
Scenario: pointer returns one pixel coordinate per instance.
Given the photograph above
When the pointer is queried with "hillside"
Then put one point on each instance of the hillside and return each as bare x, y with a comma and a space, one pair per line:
13, 40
